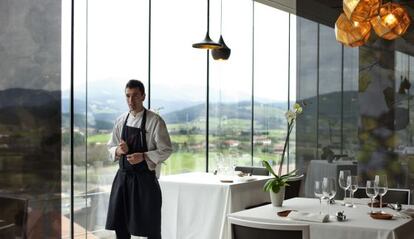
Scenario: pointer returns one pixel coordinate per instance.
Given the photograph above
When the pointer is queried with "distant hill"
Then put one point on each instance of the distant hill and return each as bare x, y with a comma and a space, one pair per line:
27, 97
264, 113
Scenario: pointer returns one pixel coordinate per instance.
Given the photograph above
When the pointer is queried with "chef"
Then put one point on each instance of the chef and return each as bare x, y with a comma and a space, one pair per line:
140, 143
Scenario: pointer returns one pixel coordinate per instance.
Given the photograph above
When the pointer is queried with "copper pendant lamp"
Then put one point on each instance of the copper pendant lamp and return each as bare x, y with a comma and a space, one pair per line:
222, 53
207, 43
351, 33
361, 10
392, 21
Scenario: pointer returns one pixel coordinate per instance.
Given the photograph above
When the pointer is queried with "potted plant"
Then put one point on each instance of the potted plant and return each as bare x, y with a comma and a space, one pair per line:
276, 185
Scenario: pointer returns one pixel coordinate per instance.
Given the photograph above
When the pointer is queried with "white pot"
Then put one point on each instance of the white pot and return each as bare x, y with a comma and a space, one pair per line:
277, 198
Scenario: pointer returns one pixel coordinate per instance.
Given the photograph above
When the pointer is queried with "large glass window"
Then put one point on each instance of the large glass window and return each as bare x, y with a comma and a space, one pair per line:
230, 88
178, 80
329, 96
110, 51
291, 163
271, 82
350, 102
307, 91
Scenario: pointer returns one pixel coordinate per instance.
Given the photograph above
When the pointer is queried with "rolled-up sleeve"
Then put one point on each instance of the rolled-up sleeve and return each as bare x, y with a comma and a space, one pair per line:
114, 142
163, 143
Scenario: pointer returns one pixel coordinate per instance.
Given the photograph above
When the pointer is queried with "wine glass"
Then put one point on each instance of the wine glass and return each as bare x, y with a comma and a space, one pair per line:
382, 185
318, 193
352, 182
372, 191
343, 175
329, 189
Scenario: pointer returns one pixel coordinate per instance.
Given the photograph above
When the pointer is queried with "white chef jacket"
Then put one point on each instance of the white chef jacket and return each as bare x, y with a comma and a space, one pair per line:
158, 139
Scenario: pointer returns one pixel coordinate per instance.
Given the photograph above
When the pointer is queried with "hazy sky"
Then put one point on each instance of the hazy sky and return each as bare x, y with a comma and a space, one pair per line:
118, 47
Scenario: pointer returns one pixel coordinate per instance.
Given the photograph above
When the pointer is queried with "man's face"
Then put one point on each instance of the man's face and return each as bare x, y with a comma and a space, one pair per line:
134, 98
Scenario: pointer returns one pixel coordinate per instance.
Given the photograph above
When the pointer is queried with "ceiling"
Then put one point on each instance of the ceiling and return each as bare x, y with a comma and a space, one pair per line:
327, 11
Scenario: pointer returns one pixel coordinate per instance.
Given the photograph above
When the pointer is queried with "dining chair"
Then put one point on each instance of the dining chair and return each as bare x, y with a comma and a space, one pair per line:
7, 231
252, 170
247, 229
293, 189
393, 195
13, 210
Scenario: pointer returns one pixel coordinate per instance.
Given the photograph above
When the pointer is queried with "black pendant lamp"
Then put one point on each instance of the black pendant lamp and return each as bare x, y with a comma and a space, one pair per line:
207, 43
222, 53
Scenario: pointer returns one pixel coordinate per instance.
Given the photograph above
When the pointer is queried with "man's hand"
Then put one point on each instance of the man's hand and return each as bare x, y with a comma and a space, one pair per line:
135, 158
122, 148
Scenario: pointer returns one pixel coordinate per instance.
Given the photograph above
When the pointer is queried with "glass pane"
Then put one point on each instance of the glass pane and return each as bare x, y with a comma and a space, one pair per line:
65, 125
117, 52
31, 119
330, 97
178, 80
271, 59
306, 55
231, 88
377, 110
350, 102
292, 91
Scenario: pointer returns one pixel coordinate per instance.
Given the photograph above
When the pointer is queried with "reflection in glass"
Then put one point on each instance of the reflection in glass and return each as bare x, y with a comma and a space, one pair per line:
306, 85
31, 119
329, 98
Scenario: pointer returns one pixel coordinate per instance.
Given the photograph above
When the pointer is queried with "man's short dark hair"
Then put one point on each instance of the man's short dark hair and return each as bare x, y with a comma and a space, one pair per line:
135, 84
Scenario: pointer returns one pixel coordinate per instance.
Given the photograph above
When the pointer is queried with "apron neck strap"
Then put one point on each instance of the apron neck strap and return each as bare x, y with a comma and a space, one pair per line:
144, 120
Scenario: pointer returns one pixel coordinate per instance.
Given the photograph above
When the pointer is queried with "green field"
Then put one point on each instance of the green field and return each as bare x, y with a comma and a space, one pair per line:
99, 138
189, 148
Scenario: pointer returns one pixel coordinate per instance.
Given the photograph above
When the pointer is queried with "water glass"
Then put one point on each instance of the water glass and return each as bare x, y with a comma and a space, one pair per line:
343, 175
318, 193
329, 189
382, 184
372, 191
352, 182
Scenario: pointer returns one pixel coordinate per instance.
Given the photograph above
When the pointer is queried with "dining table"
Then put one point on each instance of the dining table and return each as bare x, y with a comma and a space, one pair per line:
358, 224
195, 205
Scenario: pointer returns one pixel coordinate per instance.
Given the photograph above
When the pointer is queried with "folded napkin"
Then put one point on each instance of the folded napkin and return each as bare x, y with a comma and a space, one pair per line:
408, 212
307, 216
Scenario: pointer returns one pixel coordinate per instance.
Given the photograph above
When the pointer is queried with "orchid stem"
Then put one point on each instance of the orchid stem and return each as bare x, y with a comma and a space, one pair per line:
290, 127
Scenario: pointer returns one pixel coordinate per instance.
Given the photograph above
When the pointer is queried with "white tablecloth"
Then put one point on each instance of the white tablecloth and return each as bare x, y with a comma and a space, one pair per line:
195, 205
359, 225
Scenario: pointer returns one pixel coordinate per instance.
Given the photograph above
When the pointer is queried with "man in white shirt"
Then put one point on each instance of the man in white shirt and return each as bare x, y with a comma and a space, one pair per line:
140, 143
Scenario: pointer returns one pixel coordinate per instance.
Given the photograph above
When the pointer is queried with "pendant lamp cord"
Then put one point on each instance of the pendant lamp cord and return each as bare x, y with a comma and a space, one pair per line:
208, 16
221, 15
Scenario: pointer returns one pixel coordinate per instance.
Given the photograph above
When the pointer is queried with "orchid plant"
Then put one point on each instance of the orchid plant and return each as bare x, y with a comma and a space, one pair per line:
279, 180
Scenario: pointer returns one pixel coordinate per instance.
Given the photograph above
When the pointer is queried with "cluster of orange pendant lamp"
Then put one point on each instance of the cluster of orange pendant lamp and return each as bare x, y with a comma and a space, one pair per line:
353, 27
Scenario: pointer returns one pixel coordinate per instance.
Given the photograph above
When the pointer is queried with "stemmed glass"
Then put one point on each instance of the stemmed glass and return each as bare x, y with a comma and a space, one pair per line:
318, 193
329, 189
343, 175
372, 191
382, 184
352, 182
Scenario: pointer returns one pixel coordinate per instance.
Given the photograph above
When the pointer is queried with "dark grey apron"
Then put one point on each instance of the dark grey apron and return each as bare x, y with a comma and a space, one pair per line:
135, 199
